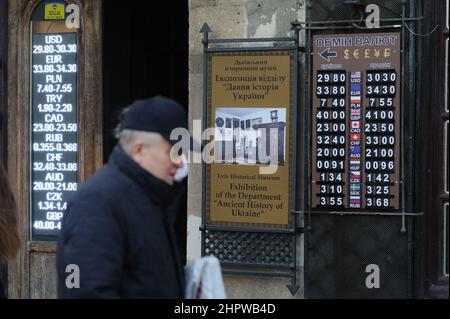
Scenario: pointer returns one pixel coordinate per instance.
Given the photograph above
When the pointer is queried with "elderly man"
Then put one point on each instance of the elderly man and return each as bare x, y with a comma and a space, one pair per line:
118, 229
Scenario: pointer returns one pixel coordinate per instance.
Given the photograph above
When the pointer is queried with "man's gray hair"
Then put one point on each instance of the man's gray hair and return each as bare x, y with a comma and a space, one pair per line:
127, 138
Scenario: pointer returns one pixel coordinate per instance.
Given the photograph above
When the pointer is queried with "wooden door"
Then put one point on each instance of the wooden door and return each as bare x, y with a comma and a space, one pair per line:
3, 114
33, 273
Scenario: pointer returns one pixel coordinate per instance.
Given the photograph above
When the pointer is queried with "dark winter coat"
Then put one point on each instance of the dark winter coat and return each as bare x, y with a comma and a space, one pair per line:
118, 230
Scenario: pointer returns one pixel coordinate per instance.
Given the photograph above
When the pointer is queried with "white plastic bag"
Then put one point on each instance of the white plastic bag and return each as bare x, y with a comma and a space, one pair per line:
204, 279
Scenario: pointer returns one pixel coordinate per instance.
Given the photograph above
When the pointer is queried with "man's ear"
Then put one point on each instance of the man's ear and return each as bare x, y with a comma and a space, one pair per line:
136, 151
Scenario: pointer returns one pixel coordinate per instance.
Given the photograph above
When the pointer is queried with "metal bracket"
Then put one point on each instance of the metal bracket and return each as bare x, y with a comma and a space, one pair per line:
285, 43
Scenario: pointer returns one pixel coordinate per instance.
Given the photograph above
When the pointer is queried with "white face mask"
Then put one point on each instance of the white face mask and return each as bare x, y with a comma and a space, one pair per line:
182, 172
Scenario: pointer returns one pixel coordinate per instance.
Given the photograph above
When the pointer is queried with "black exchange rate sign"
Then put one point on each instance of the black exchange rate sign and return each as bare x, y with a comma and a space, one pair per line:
54, 127
356, 122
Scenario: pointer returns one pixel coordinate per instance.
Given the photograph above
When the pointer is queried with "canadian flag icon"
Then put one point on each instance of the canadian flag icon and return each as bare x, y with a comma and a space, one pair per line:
355, 124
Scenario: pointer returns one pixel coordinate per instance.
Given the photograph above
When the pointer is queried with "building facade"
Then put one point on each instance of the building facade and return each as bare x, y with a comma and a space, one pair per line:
111, 54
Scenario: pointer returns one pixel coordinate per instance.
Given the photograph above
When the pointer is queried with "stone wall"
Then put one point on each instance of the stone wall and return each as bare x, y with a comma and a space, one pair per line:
233, 19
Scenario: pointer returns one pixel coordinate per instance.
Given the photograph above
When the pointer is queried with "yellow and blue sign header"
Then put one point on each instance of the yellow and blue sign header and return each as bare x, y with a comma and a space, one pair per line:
54, 11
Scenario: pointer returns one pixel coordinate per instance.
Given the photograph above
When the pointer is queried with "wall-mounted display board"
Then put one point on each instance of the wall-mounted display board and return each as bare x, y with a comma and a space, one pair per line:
54, 122
250, 106
356, 121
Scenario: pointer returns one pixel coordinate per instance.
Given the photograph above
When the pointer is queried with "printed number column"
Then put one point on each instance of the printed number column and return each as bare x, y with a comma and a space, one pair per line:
380, 137
330, 123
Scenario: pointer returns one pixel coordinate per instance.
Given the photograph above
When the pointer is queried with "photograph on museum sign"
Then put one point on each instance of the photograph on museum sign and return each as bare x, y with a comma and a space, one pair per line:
256, 135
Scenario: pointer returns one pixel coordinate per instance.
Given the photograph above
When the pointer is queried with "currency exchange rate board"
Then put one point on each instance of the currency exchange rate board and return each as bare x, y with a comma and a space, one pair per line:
356, 118
54, 129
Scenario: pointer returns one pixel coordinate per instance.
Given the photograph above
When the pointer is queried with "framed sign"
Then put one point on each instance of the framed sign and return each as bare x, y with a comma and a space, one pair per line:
356, 121
249, 87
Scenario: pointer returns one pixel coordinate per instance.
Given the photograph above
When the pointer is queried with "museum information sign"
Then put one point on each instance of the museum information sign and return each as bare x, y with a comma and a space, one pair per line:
249, 107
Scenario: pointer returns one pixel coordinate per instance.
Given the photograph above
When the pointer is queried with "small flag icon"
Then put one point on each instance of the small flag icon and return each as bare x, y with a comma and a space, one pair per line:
355, 99
356, 124
355, 162
355, 112
355, 137
355, 200
355, 149
356, 74
355, 187
355, 87
355, 174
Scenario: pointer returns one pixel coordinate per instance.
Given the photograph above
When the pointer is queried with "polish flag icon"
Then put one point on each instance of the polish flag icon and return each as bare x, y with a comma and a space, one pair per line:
355, 99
